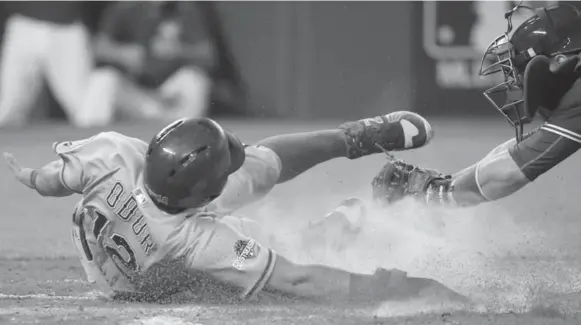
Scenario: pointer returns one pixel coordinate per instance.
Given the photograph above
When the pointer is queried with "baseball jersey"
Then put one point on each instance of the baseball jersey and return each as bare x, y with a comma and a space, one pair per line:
120, 234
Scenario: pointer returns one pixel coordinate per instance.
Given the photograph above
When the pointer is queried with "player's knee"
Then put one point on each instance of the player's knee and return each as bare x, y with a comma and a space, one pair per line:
192, 77
108, 75
98, 105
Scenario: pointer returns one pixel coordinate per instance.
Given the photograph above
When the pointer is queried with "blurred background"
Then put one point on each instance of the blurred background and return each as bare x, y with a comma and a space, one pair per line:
96, 63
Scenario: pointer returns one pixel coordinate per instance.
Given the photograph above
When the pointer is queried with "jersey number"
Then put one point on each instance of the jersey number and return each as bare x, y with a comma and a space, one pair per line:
118, 244
115, 246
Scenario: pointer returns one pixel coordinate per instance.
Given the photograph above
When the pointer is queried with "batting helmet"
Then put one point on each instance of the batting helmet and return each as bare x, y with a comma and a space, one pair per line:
188, 163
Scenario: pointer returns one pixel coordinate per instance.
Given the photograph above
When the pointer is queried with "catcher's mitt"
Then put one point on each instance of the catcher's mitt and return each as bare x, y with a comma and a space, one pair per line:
396, 180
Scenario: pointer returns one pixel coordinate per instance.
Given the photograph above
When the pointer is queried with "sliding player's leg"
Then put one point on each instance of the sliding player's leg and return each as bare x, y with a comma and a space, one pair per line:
299, 152
214, 246
280, 158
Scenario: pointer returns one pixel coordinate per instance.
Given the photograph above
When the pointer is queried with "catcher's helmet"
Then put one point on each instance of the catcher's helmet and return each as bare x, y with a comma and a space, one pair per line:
188, 162
551, 33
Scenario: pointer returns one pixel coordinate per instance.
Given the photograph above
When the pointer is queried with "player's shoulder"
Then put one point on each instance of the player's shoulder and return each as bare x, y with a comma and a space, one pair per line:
117, 137
101, 142
88, 161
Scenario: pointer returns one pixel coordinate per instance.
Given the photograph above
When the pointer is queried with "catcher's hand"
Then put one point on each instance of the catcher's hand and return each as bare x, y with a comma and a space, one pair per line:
23, 174
396, 180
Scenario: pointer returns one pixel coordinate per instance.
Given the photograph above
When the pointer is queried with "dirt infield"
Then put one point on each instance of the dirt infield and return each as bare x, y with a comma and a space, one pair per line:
519, 259
50, 291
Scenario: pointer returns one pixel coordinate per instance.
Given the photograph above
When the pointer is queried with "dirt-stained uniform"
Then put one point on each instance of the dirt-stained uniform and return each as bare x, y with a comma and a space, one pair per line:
120, 234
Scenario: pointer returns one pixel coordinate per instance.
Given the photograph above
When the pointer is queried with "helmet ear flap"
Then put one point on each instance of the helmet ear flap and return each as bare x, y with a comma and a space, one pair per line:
237, 154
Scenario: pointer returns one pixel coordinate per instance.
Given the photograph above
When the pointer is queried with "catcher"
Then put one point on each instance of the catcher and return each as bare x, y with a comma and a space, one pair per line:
540, 66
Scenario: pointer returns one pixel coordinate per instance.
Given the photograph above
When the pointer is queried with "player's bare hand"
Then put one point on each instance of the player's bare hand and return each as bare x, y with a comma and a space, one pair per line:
22, 174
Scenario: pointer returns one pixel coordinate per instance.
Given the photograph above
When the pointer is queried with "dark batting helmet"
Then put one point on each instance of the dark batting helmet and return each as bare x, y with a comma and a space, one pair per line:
552, 35
188, 162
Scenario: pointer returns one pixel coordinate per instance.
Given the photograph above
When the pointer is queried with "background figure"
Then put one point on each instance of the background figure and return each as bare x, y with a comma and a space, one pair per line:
45, 42
155, 62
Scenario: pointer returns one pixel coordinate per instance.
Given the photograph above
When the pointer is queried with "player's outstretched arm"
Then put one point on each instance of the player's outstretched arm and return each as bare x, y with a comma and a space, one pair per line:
505, 170
509, 169
494, 177
45, 180
331, 284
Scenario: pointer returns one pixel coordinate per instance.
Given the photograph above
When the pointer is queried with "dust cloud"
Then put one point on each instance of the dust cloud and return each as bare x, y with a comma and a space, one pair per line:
480, 252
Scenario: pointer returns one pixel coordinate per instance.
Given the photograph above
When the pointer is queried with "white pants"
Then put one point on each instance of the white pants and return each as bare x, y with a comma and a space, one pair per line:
34, 51
111, 94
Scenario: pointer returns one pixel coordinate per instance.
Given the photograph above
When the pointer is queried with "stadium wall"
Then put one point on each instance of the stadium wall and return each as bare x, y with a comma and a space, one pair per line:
350, 59
322, 59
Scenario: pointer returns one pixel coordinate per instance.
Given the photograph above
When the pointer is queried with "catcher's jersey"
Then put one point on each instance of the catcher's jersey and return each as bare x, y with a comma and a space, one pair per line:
119, 233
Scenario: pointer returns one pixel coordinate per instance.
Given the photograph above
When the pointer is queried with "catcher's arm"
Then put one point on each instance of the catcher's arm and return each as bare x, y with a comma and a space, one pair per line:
45, 180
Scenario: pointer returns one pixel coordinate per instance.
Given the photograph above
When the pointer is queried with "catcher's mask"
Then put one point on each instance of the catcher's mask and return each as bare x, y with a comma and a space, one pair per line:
525, 60
508, 96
